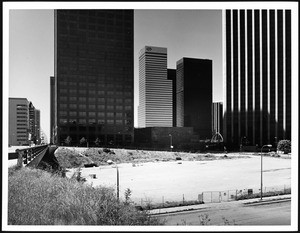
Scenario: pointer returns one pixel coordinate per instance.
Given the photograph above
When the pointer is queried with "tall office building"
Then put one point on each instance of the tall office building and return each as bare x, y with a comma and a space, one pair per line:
34, 124
37, 126
257, 83
172, 76
194, 95
52, 110
155, 89
217, 117
93, 77
18, 121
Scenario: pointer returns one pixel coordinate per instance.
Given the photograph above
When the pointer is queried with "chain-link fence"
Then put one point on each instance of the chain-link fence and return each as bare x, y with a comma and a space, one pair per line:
213, 197
239, 194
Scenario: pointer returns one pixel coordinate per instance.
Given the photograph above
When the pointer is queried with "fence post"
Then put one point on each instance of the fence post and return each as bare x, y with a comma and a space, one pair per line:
20, 158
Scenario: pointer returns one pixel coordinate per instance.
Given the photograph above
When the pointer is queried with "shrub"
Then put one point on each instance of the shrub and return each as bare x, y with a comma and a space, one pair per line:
37, 197
285, 146
70, 158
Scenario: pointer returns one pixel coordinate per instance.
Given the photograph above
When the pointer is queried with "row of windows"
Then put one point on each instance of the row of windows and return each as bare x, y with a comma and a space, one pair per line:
91, 121
94, 106
21, 116
93, 99
93, 92
91, 114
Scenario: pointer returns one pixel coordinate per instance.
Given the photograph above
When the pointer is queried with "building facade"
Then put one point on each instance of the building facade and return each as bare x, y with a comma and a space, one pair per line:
257, 82
155, 89
172, 76
194, 95
93, 77
217, 118
18, 121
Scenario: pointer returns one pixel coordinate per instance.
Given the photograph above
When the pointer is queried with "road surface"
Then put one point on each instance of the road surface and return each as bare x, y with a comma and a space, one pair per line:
235, 214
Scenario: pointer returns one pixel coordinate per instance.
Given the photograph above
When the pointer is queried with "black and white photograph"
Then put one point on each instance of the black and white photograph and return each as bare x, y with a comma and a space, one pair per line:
150, 116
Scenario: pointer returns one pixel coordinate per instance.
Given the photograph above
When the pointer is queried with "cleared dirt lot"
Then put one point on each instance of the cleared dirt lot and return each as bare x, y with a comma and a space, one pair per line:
171, 181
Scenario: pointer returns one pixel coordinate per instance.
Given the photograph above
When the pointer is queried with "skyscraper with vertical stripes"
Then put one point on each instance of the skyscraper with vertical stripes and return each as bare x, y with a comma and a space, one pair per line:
257, 81
155, 89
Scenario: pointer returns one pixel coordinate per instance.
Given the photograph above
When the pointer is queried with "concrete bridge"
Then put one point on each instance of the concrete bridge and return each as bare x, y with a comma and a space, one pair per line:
38, 156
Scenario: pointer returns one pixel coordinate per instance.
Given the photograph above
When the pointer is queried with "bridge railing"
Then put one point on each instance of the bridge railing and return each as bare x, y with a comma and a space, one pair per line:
28, 155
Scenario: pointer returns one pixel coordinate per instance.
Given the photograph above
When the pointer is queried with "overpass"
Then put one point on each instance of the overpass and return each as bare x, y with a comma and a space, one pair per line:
39, 156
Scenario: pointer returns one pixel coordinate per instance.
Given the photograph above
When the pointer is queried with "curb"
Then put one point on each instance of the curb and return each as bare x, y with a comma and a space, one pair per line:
267, 202
209, 206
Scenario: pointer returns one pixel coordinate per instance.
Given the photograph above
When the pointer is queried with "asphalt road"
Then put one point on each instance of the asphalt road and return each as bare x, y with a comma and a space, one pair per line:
236, 214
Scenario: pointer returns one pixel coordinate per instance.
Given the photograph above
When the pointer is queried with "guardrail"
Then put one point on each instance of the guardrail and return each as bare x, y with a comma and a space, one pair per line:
31, 156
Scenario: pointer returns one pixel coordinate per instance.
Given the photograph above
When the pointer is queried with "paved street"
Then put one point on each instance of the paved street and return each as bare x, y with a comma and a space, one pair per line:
235, 213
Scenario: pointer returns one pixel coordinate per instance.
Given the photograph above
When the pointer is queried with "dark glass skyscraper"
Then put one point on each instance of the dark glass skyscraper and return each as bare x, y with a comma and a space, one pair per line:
194, 95
93, 76
257, 90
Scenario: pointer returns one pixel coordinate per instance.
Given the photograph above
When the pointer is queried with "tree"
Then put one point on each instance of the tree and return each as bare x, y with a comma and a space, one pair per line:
68, 140
285, 146
97, 142
82, 141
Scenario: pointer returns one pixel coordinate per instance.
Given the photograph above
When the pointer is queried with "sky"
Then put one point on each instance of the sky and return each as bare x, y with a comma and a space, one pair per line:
185, 33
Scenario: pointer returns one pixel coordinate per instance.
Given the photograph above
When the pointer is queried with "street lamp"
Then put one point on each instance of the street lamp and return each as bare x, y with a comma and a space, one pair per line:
261, 169
171, 146
110, 162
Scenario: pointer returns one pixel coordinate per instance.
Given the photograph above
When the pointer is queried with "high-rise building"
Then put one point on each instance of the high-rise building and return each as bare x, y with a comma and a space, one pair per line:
217, 117
37, 127
257, 82
18, 121
52, 110
93, 78
194, 95
172, 76
155, 89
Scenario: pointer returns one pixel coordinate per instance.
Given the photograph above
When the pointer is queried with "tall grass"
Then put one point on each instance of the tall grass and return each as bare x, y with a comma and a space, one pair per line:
37, 197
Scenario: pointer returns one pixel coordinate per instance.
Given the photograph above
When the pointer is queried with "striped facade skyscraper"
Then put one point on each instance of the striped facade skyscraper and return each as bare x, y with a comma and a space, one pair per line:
155, 89
257, 82
217, 117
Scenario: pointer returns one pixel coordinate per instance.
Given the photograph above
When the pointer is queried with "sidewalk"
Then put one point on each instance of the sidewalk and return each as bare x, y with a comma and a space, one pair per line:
253, 201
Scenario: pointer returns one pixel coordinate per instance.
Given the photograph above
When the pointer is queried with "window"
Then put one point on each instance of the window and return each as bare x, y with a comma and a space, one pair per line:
63, 113
128, 107
92, 106
63, 91
101, 100
101, 114
73, 106
119, 122
110, 100
82, 121
82, 106
110, 122
82, 114
110, 107
119, 114
72, 98
119, 107
101, 92
92, 99
72, 114
119, 101
92, 92
92, 114
82, 92
63, 98
63, 106
110, 114
73, 91
101, 107
82, 99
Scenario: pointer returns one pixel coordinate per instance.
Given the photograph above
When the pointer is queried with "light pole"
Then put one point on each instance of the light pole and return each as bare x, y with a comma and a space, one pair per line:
110, 162
171, 146
261, 169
